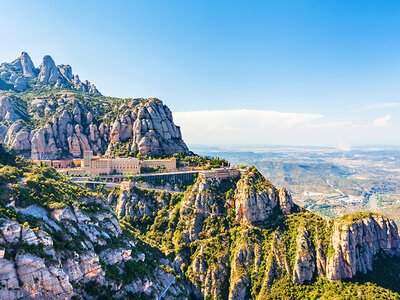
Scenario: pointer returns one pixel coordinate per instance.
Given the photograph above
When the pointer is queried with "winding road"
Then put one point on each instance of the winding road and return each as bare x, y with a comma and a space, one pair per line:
166, 289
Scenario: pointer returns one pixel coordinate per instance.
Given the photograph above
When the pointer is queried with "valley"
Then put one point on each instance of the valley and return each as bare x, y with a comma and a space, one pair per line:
329, 181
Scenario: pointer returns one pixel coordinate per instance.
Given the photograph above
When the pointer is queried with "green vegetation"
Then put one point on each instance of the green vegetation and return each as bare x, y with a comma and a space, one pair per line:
199, 161
219, 237
352, 218
29, 184
323, 289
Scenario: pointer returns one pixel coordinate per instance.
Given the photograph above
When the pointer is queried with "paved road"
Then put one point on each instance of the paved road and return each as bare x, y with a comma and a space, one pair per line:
166, 289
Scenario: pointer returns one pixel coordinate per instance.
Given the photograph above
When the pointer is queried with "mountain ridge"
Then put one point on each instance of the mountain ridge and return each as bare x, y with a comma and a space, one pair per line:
59, 117
23, 75
212, 238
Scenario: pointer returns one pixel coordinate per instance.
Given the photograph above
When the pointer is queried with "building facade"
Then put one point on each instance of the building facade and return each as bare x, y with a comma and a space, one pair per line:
106, 165
169, 164
101, 165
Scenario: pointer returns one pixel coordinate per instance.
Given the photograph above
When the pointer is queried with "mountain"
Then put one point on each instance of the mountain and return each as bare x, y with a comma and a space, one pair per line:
59, 117
210, 238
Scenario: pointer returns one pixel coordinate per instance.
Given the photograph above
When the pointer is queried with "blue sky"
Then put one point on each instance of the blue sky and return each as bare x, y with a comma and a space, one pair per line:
310, 72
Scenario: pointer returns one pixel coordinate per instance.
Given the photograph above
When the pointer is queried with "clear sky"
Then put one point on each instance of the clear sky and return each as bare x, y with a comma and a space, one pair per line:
234, 72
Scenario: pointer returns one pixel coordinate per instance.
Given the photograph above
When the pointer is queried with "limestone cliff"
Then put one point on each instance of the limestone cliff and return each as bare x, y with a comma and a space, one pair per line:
32, 265
72, 125
355, 242
51, 114
256, 199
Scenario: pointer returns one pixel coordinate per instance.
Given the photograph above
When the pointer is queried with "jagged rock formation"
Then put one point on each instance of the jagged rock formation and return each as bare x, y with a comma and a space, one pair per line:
62, 125
144, 126
147, 128
60, 273
22, 70
10, 111
136, 204
235, 239
25, 64
75, 247
304, 266
256, 199
356, 242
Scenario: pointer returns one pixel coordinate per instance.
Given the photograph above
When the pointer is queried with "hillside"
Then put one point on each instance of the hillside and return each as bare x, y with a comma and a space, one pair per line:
58, 240
239, 238
244, 239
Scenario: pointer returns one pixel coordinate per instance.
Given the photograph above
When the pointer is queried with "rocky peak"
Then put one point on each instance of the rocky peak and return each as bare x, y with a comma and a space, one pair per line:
150, 127
256, 199
66, 71
25, 64
49, 72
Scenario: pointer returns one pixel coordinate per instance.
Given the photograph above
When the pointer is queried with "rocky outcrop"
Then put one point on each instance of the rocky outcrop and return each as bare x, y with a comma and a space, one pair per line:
245, 258
49, 73
133, 203
20, 84
17, 137
256, 199
29, 277
22, 70
304, 266
149, 128
47, 271
10, 111
209, 277
355, 243
24, 63
146, 127
196, 206
286, 203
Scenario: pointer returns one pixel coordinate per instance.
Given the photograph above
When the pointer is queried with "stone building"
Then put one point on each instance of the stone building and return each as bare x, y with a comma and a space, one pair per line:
221, 173
99, 165
107, 165
169, 164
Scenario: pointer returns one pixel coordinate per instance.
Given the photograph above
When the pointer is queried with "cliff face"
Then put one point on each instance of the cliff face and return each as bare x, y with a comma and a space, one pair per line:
356, 242
148, 128
256, 199
32, 265
71, 124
